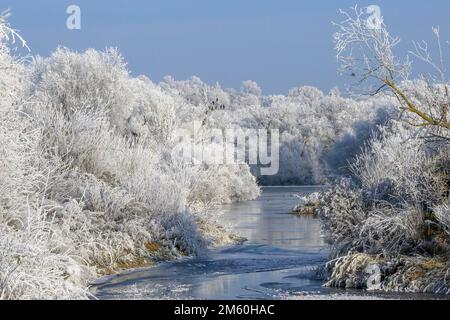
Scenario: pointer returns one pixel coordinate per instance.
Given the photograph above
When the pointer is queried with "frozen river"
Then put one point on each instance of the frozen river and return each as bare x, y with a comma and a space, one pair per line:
278, 257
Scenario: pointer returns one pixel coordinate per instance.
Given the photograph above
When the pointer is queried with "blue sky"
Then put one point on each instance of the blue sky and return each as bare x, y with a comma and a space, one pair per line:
279, 44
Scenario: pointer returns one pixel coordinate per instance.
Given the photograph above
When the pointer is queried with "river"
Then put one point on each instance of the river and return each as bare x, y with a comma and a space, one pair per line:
277, 261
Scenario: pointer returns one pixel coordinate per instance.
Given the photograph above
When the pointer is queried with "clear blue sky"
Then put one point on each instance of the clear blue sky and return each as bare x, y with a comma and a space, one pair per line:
279, 44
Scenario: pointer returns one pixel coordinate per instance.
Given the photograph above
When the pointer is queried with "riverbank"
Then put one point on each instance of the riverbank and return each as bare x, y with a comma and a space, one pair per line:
378, 246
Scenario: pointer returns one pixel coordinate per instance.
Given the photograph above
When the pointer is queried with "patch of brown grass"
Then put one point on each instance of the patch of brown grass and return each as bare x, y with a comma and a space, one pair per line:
432, 264
152, 247
309, 209
134, 263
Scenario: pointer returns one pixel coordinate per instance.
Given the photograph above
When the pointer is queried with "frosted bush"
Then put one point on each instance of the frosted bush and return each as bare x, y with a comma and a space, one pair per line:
342, 212
385, 168
31, 267
393, 201
197, 93
183, 230
70, 81
31, 264
397, 210
153, 118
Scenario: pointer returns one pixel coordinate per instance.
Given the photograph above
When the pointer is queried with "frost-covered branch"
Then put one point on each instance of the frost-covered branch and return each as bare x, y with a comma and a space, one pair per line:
9, 34
367, 52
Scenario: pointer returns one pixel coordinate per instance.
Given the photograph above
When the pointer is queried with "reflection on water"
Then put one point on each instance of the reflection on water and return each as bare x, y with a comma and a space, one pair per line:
279, 256
266, 220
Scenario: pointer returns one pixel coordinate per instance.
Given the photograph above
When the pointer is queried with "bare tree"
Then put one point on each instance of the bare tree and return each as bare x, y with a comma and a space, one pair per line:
366, 51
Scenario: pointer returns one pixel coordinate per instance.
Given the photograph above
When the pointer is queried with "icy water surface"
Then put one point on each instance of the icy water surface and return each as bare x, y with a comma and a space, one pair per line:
278, 257
276, 262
